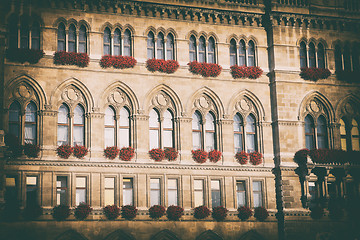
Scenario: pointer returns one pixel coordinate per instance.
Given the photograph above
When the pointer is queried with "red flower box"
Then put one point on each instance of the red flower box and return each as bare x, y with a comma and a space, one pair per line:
260, 213
242, 157
32, 212
205, 69
219, 213
244, 213
255, 158
23, 55
128, 212
31, 150
201, 212
64, 151
199, 156
174, 213
214, 156
126, 153
245, 72
111, 212
157, 154
119, 62
171, 154
80, 151
61, 212
161, 65
111, 152
156, 211
300, 156
314, 74
82, 211
71, 58
319, 155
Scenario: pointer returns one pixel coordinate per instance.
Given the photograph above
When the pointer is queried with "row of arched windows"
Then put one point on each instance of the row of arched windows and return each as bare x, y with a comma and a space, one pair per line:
72, 39
347, 58
24, 33
25, 126
311, 56
117, 43
242, 54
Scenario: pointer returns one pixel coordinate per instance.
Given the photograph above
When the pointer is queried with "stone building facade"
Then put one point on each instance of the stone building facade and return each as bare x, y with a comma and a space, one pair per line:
276, 114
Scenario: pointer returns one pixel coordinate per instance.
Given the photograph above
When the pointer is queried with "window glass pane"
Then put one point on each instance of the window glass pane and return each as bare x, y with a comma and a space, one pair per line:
124, 137
63, 114
237, 123
109, 117
79, 115
61, 190
238, 142
127, 43
72, 39
347, 60
312, 55
196, 123
172, 192
128, 191
160, 46
80, 196
250, 124
109, 137
82, 39
303, 57
198, 193
168, 139
257, 193
117, 42
109, 182
192, 49
202, 49
154, 119
309, 133
109, 198
62, 135
210, 141
13, 33
322, 133
14, 112
124, 120
150, 46
155, 191
31, 191
78, 135
321, 56
242, 53
209, 125
24, 35
355, 138
154, 139
338, 58
169, 47
107, 41
232, 52
30, 113
30, 133
215, 193
35, 36
251, 54
196, 140
168, 121
211, 51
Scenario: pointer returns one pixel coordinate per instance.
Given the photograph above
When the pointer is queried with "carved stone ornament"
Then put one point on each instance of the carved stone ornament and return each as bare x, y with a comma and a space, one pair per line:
118, 97
349, 109
161, 99
23, 91
71, 94
203, 102
314, 106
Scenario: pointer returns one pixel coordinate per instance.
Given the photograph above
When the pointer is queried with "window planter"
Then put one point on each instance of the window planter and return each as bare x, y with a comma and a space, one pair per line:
261, 214
156, 211
255, 158
199, 156
64, 151
61, 212
314, 74
201, 212
219, 213
242, 157
31, 150
23, 55
111, 212
118, 62
71, 58
157, 154
348, 76
82, 211
128, 212
126, 153
214, 156
205, 69
245, 72
300, 156
111, 152
171, 154
80, 151
174, 213
244, 213
161, 65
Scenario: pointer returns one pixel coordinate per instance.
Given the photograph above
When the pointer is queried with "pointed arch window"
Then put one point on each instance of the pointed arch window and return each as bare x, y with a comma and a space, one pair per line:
238, 133
251, 54
322, 137
117, 42
321, 56
150, 45
309, 132
154, 126
192, 48
355, 58
343, 135
355, 137
168, 129
82, 39
233, 55
202, 50
63, 126
127, 43
35, 35
14, 119
107, 41
338, 58
24, 34
312, 61
79, 126
303, 55
170, 47
124, 127
211, 50
197, 130
161, 130
61, 38
242, 53
251, 143
110, 127
30, 123
210, 138
347, 60
72, 38
160, 46
13, 33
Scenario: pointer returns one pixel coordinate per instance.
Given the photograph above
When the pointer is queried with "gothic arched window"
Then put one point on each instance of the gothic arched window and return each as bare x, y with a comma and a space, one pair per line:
63, 125
233, 55
170, 47
107, 41
312, 60
127, 43
211, 51
197, 130
14, 119
30, 124
202, 50
242, 53
117, 42
110, 127
72, 39
322, 136
251, 54
303, 55
321, 56
210, 139
192, 48
238, 133
124, 127
82, 39
309, 132
150, 45
154, 126
160, 54
61, 35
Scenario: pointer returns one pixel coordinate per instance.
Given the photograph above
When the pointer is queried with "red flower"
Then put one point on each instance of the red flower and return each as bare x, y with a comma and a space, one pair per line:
244, 213
61, 212
242, 157
71, 58
156, 211
127, 153
214, 156
64, 151
111, 152
260, 213
157, 154
300, 156
82, 211
111, 212
31, 150
201, 212
119, 62
161, 65
219, 213
255, 158
199, 156
171, 154
80, 151
174, 212
245, 72
23, 55
205, 69
314, 73
128, 212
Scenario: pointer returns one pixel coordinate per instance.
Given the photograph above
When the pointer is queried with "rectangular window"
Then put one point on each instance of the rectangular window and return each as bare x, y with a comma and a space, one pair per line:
173, 192
199, 193
10, 192
154, 138
155, 192
61, 190
31, 191
109, 196
312, 193
215, 193
80, 190
128, 191
257, 194
240, 193
196, 140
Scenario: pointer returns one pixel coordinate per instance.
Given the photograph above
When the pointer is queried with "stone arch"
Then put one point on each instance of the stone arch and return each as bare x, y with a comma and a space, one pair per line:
58, 21
323, 42
72, 21
71, 235
302, 39
318, 98
192, 33
211, 95
130, 28
173, 32
26, 81
165, 235
337, 42
119, 235
347, 107
56, 100
252, 38
168, 91
212, 34
150, 29
313, 40
106, 25
232, 36
251, 235
161, 30
86, 24
260, 112
209, 235
203, 34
